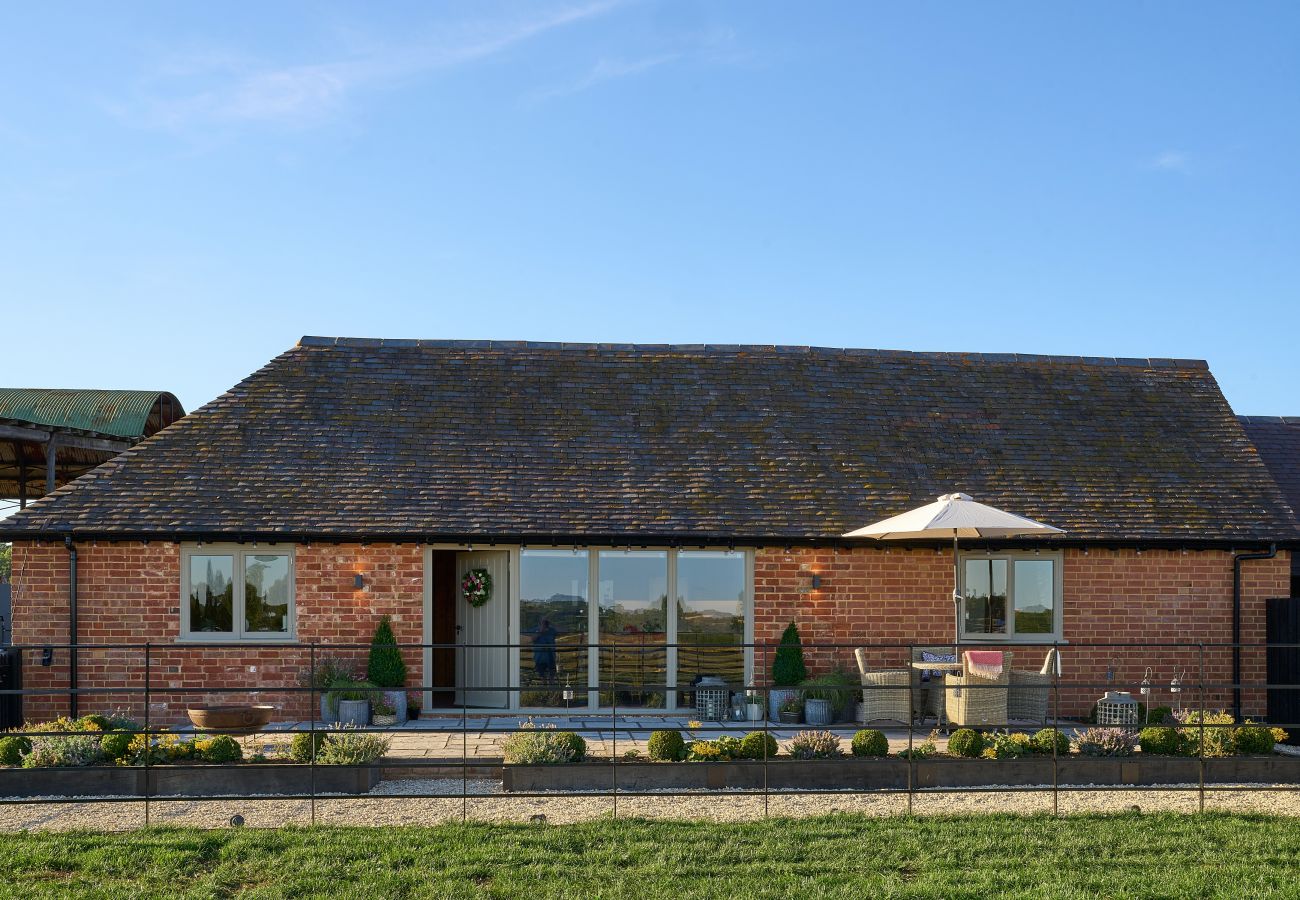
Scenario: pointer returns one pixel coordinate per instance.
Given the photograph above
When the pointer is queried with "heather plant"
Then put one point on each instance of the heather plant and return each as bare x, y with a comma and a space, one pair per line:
1106, 741
349, 747
815, 745
543, 746
69, 749
870, 742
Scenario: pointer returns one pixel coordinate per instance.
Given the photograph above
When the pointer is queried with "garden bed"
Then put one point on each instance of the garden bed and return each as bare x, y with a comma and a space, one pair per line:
186, 780
890, 773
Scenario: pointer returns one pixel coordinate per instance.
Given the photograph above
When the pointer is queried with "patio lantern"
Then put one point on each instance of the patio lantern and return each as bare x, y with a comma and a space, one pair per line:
1117, 708
712, 698
1145, 690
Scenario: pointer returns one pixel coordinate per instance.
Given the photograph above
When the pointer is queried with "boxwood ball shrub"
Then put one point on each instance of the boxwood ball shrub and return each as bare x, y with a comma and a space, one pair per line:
305, 745
666, 744
1046, 740
115, 744
870, 742
222, 749
1252, 738
758, 745
965, 742
1160, 739
12, 748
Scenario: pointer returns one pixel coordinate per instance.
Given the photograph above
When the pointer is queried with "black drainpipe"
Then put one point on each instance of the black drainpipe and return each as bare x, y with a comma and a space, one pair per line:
73, 683
1237, 560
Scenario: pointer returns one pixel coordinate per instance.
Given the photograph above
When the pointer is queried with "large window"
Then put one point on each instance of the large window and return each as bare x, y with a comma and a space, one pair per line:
1010, 595
236, 594
622, 598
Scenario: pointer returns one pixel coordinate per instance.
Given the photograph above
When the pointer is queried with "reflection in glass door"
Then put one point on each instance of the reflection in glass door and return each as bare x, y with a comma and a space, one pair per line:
710, 619
633, 606
553, 622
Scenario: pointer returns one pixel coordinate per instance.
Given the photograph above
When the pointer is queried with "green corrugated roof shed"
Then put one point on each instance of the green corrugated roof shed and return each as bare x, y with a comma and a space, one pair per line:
117, 413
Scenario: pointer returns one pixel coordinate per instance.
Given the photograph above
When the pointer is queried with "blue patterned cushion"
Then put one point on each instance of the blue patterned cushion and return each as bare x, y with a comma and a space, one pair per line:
927, 656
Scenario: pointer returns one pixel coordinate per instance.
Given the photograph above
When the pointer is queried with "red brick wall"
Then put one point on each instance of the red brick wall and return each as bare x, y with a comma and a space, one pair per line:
129, 593
873, 595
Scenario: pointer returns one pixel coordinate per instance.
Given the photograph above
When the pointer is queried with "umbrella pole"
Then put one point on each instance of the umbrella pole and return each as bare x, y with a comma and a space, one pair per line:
956, 591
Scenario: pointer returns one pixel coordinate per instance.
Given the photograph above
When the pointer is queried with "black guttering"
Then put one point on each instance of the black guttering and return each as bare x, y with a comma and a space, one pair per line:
1237, 560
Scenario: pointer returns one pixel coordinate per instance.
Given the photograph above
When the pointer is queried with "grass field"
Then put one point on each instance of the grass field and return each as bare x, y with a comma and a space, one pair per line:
1117, 856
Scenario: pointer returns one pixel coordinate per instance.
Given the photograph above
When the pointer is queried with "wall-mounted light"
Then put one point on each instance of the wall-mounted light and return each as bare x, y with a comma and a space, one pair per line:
359, 582
812, 583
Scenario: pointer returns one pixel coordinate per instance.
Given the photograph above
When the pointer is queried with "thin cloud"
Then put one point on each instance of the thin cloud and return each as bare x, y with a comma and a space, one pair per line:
241, 92
1170, 161
607, 70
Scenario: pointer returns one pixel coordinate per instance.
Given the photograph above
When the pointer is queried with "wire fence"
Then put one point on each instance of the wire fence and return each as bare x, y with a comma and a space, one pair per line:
1078, 684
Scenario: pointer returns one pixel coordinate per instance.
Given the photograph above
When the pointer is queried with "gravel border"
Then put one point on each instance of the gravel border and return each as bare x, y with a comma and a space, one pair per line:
389, 805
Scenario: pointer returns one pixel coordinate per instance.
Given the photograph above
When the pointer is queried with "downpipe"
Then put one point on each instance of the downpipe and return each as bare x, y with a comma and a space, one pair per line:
73, 680
1237, 560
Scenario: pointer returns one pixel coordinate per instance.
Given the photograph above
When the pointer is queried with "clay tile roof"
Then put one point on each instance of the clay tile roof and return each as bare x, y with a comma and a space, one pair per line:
439, 438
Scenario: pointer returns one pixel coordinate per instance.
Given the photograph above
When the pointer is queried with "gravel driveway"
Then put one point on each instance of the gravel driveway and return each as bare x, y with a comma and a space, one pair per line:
387, 805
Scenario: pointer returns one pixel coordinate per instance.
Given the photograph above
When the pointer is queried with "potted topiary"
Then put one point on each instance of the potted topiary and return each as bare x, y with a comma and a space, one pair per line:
387, 669
791, 711
788, 670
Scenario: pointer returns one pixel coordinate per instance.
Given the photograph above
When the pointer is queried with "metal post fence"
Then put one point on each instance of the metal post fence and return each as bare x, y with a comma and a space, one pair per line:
1066, 696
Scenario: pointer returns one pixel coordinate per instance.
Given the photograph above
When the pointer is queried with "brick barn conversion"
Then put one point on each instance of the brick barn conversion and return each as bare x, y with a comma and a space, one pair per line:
351, 479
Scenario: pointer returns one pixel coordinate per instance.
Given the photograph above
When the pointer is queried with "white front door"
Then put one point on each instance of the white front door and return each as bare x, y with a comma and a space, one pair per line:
483, 669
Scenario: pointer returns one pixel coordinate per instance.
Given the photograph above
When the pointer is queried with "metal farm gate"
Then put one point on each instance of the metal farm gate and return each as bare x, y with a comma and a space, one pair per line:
1283, 623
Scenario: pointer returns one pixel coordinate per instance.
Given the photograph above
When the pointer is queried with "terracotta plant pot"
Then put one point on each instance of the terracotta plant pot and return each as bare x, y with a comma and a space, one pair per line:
230, 719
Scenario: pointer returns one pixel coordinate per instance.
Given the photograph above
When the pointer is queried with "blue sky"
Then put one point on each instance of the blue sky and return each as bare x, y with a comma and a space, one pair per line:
187, 189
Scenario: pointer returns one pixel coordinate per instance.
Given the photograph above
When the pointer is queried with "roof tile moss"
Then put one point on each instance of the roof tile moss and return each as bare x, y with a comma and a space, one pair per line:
371, 436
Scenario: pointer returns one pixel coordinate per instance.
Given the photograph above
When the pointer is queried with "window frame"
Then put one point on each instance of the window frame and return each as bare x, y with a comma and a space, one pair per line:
671, 699
239, 552
1056, 557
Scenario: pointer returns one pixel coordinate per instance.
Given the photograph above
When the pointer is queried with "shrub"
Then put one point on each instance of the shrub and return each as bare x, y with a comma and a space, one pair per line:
1218, 737
869, 742
328, 670
386, 667
1160, 715
114, 744
788, 668
12, 748
1252, 738
758, 745
928, 747
815, 745
836, 687
381, 707
1106, 741
222, 749
1047, 740
305, 744
666, 745
535, 746
145, 749
1007, 745
1163, 740
101, 723
706, 751
351, 748
72, 749
965, 742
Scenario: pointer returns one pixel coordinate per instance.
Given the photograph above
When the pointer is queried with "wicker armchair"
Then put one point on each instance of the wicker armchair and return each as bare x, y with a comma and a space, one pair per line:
975, 702
1029, 695
884, 692
928, 696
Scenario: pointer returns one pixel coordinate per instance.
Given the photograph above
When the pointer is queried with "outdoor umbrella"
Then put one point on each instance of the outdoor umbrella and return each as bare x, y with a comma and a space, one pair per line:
955, 516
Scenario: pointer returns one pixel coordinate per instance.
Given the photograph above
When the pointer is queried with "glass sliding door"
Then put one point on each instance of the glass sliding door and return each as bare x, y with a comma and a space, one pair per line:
633, 622
710, 619
553, 623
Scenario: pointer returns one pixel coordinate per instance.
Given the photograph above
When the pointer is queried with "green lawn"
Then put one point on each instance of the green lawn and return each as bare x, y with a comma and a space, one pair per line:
839, 856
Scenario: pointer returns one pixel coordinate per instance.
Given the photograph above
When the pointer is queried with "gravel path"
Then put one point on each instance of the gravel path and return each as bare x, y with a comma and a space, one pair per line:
388, 806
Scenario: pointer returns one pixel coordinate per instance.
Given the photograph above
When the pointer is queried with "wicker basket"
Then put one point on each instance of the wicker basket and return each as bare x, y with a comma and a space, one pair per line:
383, 721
